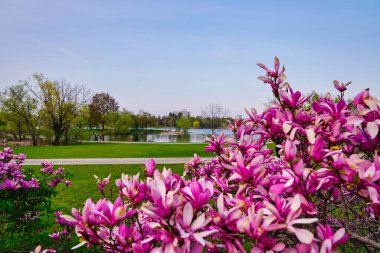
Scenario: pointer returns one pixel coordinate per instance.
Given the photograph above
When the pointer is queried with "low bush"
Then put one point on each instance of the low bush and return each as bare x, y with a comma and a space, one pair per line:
25, 200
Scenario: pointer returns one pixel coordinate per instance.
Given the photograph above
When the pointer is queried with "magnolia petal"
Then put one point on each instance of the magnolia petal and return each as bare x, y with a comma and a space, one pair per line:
287, 126
305, 236
326, 246
199, 238
263, 66
296, 203
198, 223
147, 240
279, 246
310, 135
276, 64
187, 214
79, 245
339, 235
161, 187
275, 227
120, 213
220, 203
304, 221
281, 78
293, 133
68, 218
354, 120
373, 129
37, 249
373, 194
207, 232
289, 182
371, 103
197, 248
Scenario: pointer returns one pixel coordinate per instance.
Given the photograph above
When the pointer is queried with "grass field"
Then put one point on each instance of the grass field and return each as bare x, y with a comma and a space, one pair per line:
83, 183
83, 186
114, 150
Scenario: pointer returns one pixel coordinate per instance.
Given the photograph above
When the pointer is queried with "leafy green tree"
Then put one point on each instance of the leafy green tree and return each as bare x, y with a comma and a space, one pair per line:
119, 122
60, 103
21, 109
145, 119
101, 104
183, 123
3, 125
196, 124
83, 118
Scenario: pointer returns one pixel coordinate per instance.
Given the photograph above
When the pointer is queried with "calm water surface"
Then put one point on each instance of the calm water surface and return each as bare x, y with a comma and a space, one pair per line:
169, 136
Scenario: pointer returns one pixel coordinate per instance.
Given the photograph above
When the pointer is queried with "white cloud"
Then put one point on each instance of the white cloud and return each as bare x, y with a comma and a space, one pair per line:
72, 55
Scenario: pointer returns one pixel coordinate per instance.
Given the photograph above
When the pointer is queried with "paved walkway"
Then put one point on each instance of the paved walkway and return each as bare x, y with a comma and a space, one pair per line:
144, 142
78, 161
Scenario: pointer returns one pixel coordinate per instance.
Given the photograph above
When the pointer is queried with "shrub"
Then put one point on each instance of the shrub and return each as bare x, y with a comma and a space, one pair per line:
24, 199
318, 192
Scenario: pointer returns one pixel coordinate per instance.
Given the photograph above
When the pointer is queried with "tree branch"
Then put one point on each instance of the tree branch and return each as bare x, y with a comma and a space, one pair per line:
352, 234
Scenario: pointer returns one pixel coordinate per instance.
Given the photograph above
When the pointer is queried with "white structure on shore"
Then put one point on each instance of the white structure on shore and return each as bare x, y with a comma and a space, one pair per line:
184, 112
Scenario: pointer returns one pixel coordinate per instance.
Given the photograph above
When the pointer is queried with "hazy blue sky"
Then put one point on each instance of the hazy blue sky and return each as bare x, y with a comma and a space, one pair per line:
161, 56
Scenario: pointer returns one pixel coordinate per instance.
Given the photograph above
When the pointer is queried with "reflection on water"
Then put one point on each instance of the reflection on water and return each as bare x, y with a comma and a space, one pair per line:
193, 136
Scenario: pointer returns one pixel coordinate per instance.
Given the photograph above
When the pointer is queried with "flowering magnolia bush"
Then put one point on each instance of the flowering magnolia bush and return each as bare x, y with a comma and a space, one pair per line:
24, 198
318, 192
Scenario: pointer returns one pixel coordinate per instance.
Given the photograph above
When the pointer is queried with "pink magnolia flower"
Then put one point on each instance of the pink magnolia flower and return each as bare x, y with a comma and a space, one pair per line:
188, 228
33, 183
149, 167
275, 77
112, 213
39, 248
10, 184
163, 200
225, 217
293, 99
290, 150
132, 187
330, 240
341, 86
246, 172
284, 182
215, 143
102, 183
304, 235
318, 149
198, 192
252, 223
268, 245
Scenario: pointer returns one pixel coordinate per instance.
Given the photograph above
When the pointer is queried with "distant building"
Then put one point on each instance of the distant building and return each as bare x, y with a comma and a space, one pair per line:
183, 112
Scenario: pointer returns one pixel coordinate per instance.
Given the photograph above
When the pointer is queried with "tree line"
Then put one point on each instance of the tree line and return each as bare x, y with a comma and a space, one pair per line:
58, 112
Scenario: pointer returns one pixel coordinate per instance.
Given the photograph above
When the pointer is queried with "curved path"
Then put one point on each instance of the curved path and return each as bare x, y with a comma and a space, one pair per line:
79, 161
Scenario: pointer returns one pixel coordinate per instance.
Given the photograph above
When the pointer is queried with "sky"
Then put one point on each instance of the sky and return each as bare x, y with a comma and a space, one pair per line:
163, 56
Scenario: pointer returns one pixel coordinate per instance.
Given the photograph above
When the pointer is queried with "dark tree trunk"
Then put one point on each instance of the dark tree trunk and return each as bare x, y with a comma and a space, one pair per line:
66, 136
19, 132
34, 140
57, 137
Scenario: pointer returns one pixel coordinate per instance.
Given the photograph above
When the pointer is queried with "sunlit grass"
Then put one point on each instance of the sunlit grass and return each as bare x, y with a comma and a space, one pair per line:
114, 150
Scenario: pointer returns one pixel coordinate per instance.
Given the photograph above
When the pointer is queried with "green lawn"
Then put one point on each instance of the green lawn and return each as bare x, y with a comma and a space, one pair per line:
83, 183
83, 186
114, 150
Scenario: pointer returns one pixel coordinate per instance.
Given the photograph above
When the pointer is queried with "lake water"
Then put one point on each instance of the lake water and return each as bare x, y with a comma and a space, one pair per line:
193, 136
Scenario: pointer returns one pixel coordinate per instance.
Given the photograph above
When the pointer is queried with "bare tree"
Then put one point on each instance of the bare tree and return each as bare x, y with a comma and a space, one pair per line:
21, 107
60, 102
214, 113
